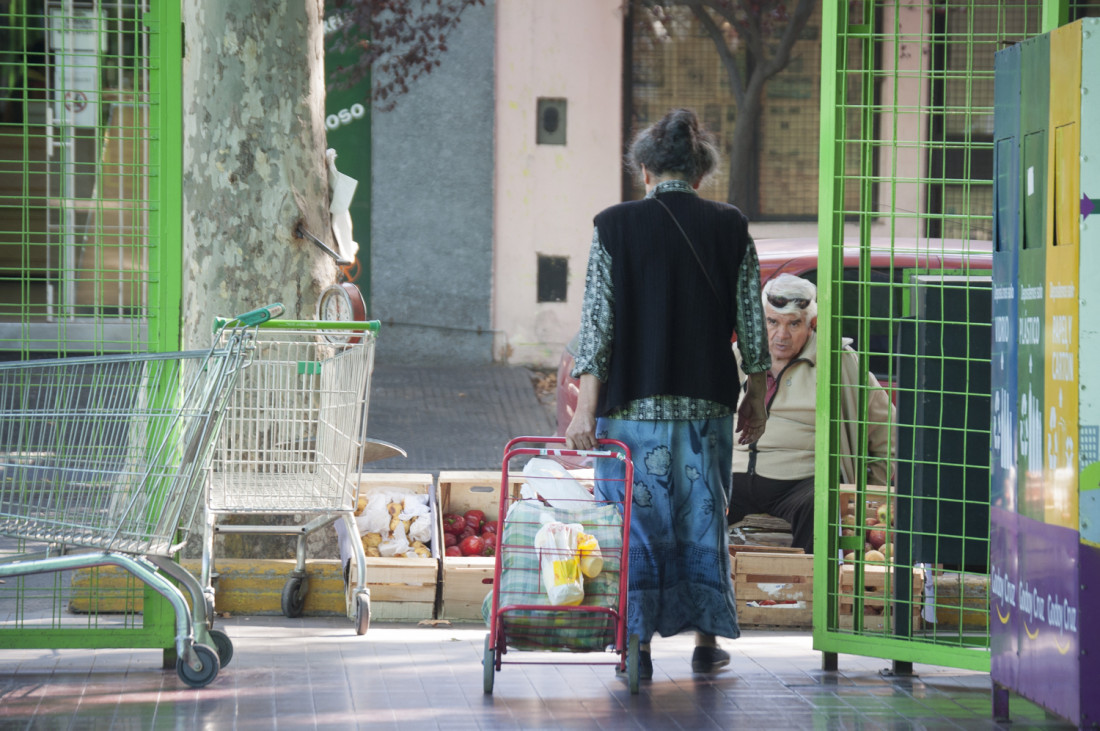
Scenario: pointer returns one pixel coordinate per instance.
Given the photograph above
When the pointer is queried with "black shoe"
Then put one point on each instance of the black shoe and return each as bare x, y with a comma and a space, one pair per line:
709, 659
645, 667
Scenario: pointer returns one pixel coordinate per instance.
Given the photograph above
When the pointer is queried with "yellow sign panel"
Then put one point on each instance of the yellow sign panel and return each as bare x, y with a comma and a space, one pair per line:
1060, 426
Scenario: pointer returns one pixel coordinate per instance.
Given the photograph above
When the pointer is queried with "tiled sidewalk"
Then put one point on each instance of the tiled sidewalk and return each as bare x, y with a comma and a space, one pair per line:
315, 673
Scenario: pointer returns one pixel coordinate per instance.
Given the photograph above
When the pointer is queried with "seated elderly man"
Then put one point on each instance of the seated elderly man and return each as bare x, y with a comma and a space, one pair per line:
775, 475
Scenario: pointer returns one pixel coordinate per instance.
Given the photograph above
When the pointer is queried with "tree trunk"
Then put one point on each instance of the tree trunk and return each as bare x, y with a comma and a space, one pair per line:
254, 143
743, 146
254, 168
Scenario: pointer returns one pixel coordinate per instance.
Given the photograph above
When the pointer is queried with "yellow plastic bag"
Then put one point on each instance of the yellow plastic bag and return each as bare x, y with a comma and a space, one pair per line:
591, 560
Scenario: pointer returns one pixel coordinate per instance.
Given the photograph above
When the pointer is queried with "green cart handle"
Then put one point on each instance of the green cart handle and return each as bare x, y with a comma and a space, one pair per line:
251, 318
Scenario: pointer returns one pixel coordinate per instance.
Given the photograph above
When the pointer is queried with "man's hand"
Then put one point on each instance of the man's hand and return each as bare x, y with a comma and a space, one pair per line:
752, 414
581, 432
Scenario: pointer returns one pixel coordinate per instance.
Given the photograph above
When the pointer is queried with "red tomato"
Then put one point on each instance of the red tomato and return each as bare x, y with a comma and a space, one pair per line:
476, 518
489, 539
489, 550
471, 546
450, 539
452, 551
453, 523
492, 526
466, 533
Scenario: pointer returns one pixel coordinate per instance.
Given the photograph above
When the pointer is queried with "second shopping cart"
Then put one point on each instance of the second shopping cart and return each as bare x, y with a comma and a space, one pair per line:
291, 446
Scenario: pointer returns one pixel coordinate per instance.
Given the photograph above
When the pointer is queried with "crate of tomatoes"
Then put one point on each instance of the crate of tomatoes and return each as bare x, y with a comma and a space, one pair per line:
468, 506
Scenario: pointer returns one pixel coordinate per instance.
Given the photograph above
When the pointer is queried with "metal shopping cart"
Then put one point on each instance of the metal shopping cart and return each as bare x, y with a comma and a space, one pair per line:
292, 445
520, 612
107, 454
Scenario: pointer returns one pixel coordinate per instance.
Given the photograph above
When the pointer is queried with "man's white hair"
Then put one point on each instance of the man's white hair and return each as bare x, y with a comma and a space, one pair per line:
790, 287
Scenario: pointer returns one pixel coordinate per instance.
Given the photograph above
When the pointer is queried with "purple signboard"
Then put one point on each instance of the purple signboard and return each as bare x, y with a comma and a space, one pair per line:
1004, 576
1089, 577
1046, 616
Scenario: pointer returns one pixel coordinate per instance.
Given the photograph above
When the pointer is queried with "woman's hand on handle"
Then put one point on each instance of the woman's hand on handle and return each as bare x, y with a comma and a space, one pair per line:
581, 432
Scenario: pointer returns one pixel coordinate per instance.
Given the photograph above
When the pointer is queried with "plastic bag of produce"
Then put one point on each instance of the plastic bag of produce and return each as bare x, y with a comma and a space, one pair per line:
553, 483
556, 544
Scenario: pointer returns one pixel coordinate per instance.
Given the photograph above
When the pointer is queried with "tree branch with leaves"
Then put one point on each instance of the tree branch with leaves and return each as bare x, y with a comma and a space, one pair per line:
753, 39
399, 42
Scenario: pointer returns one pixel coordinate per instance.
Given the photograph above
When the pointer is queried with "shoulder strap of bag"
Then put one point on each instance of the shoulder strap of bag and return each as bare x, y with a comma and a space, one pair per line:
692, 247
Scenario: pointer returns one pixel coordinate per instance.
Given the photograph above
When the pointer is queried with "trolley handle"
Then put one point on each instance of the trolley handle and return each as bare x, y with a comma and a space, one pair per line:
619, 451
251, 318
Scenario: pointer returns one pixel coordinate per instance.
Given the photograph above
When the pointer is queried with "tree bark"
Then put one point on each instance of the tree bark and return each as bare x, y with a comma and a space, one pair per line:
254, 168
743, 146
254, 143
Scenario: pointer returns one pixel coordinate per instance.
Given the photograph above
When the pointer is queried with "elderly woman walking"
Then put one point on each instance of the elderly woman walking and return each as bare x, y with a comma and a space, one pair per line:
670, 279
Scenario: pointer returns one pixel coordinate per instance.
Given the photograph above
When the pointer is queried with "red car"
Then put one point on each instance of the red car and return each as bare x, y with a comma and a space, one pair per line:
799, 257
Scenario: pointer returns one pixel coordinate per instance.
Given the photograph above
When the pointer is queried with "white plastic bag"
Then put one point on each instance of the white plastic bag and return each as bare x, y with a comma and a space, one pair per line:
549, 480
556, 544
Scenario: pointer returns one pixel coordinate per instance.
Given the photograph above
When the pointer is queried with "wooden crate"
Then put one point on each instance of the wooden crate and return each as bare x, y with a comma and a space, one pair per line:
404, 588
878, 579
874, 496
463, 587
783, 577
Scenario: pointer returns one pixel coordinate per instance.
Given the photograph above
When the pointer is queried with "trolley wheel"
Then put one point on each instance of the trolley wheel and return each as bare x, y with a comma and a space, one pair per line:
294, 597
223, 645
362, 613
203, 676
633, 664
488, 665
210, 611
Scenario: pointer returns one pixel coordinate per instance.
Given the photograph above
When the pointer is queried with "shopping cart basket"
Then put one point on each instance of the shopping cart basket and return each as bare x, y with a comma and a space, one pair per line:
107, 454
521, 614
292, 445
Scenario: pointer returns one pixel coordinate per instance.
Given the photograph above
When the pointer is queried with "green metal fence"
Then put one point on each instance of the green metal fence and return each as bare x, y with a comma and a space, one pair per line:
908, 90
90, 246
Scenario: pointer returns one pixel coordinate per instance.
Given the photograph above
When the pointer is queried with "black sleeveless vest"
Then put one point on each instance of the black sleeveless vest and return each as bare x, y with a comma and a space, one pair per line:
671, 334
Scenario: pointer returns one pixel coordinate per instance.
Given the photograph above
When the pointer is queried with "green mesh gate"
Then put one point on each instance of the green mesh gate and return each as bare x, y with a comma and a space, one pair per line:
908, 131
90, 246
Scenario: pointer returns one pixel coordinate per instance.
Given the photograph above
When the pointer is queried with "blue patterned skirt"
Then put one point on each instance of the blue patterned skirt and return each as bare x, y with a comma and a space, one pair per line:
679, 545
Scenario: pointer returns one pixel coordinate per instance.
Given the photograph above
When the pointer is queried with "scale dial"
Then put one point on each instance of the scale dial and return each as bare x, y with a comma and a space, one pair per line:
341, 302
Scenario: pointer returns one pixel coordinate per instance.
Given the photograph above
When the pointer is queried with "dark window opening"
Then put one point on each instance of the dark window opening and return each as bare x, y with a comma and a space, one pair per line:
553, 277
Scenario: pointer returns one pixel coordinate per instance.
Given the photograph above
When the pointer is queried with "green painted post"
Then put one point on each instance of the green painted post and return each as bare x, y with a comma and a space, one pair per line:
1034, 119
831, 236
348, 125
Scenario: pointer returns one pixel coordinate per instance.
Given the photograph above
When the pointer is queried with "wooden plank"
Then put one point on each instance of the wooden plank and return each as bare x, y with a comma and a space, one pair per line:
423, 593
759, 591
773, 564
774, 616
401, 611
464, 589
407, 571
735, 550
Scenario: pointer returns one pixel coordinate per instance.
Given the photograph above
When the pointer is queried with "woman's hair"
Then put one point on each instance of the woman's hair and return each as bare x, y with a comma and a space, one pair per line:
675, 144
800, 296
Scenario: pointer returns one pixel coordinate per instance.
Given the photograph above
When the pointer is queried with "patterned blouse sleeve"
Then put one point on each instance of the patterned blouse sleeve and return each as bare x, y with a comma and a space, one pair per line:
597, 318
752, 339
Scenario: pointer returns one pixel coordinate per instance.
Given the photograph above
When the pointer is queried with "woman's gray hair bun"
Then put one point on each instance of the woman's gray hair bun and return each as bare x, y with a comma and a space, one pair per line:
677, 143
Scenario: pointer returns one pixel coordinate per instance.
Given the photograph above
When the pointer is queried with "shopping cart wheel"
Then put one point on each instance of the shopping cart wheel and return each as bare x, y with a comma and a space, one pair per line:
223, 645
210, 611
362, 613
633, 663
201, 677
294, 597
488, 664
